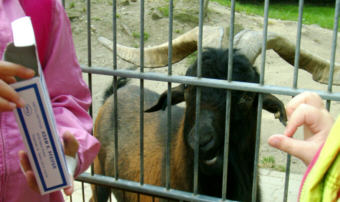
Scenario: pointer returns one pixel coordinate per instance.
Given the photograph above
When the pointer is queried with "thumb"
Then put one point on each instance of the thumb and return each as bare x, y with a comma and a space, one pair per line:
69, 190
299, 148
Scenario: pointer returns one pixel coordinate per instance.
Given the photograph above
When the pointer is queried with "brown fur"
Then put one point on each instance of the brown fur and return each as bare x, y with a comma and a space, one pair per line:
129, 152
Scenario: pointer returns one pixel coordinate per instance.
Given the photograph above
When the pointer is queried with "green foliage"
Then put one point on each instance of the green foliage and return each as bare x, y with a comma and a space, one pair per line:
315, 2
137, 35
192, 58
164, 10
110, 2
322, 15
97, 19
186, 17
269, 162
281, 168
72, 5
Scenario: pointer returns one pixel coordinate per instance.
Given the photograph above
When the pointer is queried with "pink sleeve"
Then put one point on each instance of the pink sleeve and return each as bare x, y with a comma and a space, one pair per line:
69, 94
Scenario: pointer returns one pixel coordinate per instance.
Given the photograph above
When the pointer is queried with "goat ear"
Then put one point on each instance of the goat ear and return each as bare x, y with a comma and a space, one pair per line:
275, 106
177, 96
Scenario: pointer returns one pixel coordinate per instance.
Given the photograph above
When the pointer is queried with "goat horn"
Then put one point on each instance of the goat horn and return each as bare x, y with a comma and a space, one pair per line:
182, 46
249, 43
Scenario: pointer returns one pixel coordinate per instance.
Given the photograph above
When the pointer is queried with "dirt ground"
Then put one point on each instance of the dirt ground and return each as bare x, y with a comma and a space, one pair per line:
277, 72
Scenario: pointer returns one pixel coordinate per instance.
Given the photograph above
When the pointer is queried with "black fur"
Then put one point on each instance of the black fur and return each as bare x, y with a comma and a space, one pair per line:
212, 124
211, 130
121, 81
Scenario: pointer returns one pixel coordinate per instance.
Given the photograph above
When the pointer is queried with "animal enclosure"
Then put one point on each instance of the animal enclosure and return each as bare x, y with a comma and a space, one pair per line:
101, 65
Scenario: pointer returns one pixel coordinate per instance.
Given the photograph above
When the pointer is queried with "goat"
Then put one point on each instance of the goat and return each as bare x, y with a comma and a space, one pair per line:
211, 132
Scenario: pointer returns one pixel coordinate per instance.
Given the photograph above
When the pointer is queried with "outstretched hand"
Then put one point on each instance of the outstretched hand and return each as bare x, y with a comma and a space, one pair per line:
71, 146
9, 98
306, 109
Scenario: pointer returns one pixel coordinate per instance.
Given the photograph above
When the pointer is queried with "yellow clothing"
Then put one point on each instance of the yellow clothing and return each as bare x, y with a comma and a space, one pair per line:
322, 179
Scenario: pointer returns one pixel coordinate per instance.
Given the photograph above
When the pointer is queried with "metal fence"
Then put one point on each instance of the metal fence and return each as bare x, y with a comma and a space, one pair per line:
167, 191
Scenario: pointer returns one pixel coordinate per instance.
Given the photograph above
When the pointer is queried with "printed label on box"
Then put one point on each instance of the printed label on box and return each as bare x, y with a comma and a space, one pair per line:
40, 138
36, 120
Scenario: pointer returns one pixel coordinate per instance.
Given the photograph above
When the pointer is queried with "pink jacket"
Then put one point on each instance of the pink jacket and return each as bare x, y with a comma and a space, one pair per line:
70, 99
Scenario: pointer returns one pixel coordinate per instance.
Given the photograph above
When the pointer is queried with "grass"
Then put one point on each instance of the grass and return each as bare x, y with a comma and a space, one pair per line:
269, 162
312, 14
192, 58
137, 35
164, 10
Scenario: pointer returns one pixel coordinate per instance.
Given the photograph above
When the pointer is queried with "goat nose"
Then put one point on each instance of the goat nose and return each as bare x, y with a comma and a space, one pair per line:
206, 137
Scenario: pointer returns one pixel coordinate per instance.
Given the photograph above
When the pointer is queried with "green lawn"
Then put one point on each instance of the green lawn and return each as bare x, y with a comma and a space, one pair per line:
312, 14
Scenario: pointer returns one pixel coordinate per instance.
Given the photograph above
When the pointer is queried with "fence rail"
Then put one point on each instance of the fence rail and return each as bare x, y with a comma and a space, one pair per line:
228, 84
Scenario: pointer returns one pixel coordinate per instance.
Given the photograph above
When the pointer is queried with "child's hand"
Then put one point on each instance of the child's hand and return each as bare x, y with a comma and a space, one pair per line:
9, 99
306, 109
71, 146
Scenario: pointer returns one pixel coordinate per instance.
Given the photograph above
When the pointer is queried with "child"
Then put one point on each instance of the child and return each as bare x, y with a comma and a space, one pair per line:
319, 150
69, 95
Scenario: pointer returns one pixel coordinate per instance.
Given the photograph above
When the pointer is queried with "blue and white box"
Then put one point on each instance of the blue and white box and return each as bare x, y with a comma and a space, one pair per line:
36, 120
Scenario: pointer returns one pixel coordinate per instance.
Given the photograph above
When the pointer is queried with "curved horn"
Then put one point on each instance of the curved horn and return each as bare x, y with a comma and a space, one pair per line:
182, 46
249, 43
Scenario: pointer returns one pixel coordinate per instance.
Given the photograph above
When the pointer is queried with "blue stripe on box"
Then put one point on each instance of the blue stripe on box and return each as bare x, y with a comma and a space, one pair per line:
35, 87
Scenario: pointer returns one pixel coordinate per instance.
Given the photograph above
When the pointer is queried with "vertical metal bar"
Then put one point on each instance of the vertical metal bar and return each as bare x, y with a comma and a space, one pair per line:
198, 96
197, 139
142, 93
168, 139
89, 57
82, 191
115, 84
298, 44
260, 100
231, 41
334, 42
264, 42
295, 82
110, 198
89, 48
228, 103
257, 147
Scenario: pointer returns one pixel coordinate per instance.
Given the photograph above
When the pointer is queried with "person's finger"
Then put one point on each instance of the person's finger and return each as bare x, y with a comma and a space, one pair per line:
69, 190
301, 149
9, 79
28, 172
12, 69
306, 115
32, 182
24, 161
6, 105
309, 98
8, 93
71, 144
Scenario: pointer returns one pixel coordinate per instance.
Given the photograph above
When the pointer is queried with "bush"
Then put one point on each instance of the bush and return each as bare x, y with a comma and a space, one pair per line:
316, 2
